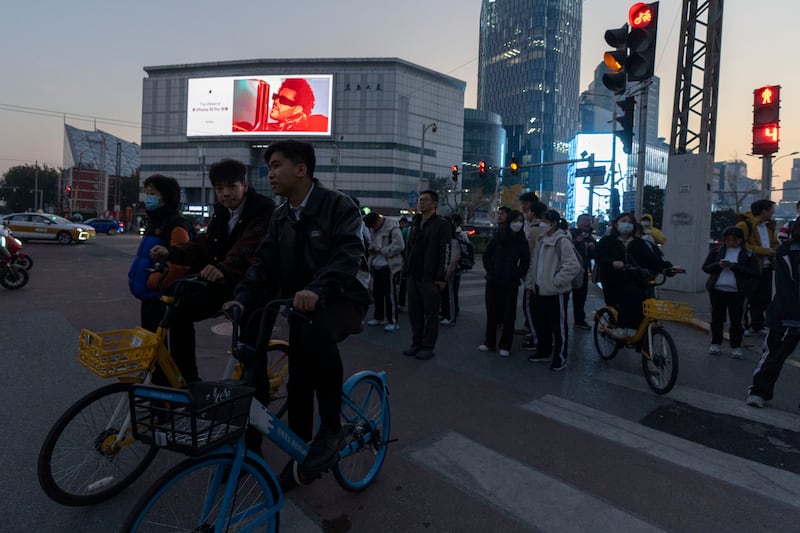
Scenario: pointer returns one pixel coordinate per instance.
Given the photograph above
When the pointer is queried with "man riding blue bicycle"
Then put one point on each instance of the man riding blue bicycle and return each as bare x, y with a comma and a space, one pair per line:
311, 253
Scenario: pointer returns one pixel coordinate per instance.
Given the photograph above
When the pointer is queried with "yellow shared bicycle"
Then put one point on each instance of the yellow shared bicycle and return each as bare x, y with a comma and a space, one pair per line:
90, 453
659, 355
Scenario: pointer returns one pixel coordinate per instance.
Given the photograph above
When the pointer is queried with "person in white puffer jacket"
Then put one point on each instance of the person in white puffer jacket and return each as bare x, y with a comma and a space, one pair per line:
554, 263
385, 262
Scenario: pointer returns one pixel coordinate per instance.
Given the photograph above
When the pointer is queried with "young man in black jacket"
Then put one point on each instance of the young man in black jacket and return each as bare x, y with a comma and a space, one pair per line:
221, 256
311, 253
426, 260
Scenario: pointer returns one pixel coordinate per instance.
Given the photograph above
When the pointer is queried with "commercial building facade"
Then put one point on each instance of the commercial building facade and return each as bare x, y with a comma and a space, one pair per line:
380, 112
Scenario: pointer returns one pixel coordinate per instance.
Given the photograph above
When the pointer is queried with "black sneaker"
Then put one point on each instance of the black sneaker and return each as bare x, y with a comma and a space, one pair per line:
558, 367
323, 451
529, 345
425, 354
291, 477
537, 358
412, 351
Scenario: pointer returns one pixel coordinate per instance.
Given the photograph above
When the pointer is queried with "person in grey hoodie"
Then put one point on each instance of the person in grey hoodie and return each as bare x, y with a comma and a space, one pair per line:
554, 264
385, 264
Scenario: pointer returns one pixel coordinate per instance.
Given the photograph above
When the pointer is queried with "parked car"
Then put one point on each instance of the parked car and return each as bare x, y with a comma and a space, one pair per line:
109, 226
43, 226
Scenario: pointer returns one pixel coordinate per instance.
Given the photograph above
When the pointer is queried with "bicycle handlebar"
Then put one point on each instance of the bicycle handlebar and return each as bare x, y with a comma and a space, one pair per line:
654, 282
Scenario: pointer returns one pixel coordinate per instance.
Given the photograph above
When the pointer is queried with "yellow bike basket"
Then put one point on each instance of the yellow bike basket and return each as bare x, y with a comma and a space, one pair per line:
113, 353
667, 310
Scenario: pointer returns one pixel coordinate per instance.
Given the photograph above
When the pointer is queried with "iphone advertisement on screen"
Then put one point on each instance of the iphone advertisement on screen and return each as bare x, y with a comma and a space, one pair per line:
260, 106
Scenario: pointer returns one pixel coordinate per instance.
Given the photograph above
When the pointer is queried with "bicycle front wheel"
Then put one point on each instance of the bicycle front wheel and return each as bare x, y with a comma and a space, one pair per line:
82, 461
365, 420
190, 497
661, 368
605, 322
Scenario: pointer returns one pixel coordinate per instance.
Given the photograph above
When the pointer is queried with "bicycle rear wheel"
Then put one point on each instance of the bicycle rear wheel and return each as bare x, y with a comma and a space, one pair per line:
189, 498
278, 372
81, 462
661, 368
365, 419
604, 322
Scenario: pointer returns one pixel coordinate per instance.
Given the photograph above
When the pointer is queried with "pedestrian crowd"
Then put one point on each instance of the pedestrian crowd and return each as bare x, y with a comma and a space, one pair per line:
318, 248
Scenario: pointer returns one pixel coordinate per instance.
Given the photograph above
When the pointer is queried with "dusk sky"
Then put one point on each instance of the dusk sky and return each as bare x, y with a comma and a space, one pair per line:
82, 61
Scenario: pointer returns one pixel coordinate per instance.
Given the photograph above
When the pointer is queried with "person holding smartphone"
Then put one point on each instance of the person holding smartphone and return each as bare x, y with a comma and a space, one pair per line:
733, 274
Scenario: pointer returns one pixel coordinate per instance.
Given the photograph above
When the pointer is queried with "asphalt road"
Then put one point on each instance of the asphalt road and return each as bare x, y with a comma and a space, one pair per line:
484, 443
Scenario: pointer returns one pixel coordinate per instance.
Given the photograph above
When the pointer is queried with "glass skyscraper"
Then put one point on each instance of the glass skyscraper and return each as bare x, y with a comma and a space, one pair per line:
529, 74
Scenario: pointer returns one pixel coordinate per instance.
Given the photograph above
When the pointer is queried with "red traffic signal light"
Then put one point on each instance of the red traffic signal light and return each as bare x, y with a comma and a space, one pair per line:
482, 167
641, 61
68, 191
766, 119
454, 168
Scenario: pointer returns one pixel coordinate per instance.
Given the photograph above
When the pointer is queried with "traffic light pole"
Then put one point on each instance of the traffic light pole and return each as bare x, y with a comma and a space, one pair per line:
766, 175
639, 207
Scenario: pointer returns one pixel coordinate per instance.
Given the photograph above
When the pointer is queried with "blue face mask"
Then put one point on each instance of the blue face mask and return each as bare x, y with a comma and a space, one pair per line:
151, 202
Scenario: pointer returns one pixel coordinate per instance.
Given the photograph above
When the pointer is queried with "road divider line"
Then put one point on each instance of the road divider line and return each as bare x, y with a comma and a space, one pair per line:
764, 480
508, 485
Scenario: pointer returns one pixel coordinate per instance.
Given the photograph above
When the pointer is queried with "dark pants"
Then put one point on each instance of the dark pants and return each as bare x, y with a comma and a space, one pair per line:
196, 304
579, 299
732, 305
384, 295
150, 313
779, 344
315, 366
501, 308
449, 308
550, 321
627, 297
760, 299
424, 298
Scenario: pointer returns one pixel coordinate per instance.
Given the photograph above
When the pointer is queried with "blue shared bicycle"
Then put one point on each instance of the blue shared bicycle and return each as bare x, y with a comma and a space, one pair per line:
225, 487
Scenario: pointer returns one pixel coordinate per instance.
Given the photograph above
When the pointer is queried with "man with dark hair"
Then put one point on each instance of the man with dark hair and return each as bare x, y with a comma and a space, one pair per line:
292, 108
758, 227
311, 253
427, 258
221, 256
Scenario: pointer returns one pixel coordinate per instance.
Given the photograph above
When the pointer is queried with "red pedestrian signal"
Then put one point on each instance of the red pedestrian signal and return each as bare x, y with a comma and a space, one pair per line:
68, 191
766, 119
482, 167
454, 168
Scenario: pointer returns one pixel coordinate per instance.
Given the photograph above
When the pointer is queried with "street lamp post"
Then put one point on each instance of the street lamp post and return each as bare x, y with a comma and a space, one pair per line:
425, 128
766, 172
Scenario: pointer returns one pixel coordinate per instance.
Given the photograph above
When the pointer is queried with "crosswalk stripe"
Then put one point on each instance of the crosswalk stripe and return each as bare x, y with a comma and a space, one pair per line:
765, 480
708, 401
508, 484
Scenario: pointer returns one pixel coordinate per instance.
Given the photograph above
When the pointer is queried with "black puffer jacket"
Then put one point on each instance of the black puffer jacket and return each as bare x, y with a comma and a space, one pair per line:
506, 258
320, 252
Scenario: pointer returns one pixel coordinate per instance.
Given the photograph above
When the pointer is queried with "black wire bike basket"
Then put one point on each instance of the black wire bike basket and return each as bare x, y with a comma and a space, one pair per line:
191, 420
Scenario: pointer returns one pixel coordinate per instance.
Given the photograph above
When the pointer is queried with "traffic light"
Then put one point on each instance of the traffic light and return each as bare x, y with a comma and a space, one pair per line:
482, 168
514, 166
615, 81
641, 61
68, 191
454, 168
626, 121
766, 117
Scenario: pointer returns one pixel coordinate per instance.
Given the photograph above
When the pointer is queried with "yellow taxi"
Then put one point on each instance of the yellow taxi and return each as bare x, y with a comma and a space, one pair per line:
44, 226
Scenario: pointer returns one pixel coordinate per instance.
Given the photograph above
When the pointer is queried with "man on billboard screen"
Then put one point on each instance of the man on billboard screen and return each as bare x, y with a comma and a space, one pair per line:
292, 108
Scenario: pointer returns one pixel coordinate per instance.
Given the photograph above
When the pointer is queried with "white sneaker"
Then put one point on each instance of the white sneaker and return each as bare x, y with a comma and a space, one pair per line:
715, 349
736, 353
483, 348
619, 333
504, 353
754, 400
444, 322
391, 327
375, 322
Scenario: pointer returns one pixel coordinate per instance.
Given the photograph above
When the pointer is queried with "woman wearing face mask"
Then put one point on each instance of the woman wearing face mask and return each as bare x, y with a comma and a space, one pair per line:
166, 227
554, 264
624, 288
506, 261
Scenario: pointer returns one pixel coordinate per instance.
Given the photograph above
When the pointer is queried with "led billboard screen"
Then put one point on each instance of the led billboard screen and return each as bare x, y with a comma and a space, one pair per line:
262, 106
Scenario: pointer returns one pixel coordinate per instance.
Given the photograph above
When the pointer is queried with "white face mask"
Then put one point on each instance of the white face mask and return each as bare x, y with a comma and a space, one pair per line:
516, 226
626, 228
646, 223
